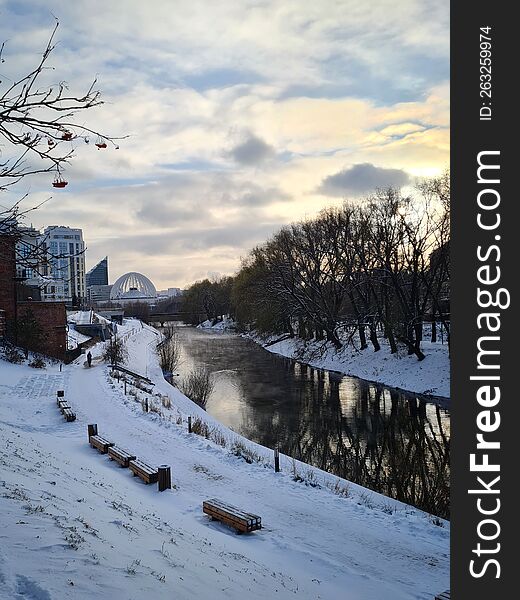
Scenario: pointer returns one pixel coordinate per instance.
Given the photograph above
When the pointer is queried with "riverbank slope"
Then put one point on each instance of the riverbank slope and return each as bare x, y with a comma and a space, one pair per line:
77, 526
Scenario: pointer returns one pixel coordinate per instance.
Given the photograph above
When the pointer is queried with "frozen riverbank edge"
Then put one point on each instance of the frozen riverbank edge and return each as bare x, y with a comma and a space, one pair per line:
429, 377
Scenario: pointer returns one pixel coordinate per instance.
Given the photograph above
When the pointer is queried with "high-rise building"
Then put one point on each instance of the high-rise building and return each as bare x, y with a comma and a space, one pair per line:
33, 269
98, 275
66, 251
29, 253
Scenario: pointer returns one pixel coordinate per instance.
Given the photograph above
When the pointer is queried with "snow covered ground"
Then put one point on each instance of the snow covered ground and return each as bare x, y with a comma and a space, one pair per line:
75, 525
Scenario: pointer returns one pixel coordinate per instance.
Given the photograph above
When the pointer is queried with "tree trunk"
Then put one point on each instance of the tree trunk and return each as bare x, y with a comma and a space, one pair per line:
434, 329
373, 338
391, 340
301, 328
332, 337
362, 336
409, 339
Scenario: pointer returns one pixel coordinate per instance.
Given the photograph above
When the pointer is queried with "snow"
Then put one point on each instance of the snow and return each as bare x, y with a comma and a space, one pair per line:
80, 317
430, 376
76, 525
225, 324
75, 338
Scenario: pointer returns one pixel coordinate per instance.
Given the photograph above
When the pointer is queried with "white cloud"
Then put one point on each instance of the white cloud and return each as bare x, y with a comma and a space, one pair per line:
236, 111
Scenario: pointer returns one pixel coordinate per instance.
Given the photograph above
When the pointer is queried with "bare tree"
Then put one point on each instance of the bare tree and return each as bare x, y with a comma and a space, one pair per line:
40, 122
380, 265
169, 350
39, 131
198, 385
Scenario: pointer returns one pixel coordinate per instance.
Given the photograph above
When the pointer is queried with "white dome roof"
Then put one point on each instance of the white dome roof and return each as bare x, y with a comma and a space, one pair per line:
133, 285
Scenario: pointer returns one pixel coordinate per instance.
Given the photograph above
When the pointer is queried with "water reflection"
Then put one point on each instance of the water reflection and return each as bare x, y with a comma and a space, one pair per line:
384, 439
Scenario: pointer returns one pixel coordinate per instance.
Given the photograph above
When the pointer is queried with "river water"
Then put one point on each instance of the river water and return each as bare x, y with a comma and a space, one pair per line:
391, 441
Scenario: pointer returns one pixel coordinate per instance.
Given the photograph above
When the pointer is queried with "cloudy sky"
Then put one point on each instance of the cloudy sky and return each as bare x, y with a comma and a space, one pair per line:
242, 116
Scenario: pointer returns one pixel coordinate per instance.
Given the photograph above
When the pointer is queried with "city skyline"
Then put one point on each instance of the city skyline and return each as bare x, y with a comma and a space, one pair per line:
241, 118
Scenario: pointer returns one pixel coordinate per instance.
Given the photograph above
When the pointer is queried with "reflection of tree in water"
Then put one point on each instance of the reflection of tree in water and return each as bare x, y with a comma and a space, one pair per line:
379, 438
385, 442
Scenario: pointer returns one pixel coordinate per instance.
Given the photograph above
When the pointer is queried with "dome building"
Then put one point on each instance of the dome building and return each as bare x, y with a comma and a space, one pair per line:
133, 287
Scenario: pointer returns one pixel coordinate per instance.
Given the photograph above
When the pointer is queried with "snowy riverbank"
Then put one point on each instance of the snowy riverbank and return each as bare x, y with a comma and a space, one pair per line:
77, 526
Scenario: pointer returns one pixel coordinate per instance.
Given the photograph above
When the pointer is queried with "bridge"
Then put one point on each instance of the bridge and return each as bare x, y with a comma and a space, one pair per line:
163, 318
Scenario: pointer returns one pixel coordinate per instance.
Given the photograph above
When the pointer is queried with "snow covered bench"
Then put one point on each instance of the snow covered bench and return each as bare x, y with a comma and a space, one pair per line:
120, 456
96, 441
68, 414
147, 473
444, 596
232, 516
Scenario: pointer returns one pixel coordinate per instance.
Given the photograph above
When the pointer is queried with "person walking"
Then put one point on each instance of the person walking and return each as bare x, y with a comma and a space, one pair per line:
89, 358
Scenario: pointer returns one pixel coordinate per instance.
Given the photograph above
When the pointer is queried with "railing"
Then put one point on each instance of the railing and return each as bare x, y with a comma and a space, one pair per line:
128, 372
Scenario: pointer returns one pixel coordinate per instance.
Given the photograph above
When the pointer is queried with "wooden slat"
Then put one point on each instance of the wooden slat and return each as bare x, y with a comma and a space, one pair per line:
119, 455
69, 415
143, 466
231, 515
218, 504
444, 596
100, 443
144, 471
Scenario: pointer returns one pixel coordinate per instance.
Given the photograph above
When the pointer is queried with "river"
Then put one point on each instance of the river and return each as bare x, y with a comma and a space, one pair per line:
391, 441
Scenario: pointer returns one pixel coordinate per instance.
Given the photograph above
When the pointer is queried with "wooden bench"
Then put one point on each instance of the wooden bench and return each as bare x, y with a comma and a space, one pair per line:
147, 473
68, 414
444, 596
120, 456
232, 516
96, 441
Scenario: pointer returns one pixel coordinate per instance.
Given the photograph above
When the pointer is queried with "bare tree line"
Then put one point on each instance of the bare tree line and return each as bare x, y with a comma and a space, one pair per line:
372, 269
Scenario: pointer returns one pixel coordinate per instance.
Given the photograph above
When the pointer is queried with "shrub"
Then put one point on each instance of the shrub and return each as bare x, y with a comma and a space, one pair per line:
115, 351
198, 386
169, 351
310, 478
296, 474
13, 355
153, 408
218, 437
242, 451
339, 488
200, 428
38, 363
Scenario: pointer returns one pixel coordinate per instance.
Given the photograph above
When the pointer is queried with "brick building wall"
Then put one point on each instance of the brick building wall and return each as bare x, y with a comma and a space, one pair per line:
7, 277
52, 322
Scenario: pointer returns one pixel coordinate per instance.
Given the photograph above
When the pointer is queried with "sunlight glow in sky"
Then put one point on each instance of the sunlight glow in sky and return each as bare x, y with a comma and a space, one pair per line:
243, 115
